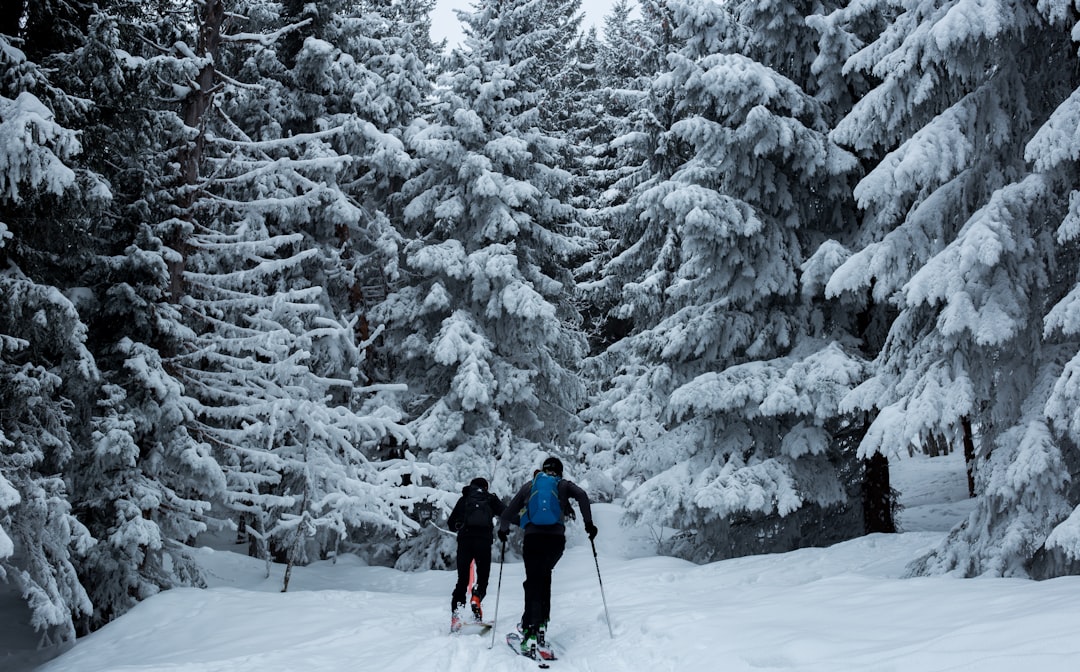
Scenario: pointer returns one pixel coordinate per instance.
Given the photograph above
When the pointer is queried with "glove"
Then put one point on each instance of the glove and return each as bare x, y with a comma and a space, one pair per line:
591, 530
503, 535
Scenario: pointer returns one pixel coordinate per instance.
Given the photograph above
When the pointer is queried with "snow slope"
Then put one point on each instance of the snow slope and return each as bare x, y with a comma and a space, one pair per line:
838, 609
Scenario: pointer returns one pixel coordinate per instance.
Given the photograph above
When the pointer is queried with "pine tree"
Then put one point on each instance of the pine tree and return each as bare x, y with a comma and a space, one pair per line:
270, 367
857, 319
721, 398
485, 327
957, 235
624, 157
45, 368
362, 73
138, 482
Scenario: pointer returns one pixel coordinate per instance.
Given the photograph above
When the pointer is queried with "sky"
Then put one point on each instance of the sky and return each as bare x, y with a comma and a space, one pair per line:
840, 609
444, 22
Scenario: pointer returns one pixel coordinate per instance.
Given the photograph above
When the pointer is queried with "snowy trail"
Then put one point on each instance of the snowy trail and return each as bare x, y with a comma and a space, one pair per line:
815, 610
838, 609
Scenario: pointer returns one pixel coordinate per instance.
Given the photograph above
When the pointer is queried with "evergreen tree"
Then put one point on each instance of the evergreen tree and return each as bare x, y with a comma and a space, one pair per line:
358, 71
622, 53
624, 156
486, 332
957, 233
139, 482
45, 368
723, 398
270, 367
855, 318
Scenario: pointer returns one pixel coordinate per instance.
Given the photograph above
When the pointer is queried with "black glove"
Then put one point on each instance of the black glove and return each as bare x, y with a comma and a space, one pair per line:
503, 535
591, 530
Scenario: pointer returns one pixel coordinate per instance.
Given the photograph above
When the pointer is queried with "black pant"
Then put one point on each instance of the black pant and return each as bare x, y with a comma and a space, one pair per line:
469, 549
541, 552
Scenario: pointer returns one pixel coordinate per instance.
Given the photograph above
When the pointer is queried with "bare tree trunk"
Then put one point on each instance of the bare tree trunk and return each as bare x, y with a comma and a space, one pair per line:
298, 538
241, 530
969, 454
288, 575
936, 445
877, 495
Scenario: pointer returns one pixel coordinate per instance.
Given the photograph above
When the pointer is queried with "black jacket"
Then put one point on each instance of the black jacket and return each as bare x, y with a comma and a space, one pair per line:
456, 522
566, 490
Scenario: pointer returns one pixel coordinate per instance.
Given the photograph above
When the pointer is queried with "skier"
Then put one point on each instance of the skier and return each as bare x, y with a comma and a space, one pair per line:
472, 520
544, 542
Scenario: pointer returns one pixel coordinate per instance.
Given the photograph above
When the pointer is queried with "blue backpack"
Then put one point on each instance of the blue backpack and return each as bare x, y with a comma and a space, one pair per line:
542, 507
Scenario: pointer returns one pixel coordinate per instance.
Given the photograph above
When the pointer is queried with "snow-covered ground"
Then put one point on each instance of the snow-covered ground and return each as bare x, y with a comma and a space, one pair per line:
839, 609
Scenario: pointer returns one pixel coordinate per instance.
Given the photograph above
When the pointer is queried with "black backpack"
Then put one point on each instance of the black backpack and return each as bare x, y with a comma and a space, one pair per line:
478, 512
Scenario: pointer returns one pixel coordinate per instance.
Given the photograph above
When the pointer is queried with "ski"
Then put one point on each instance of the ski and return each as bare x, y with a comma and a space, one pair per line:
472, 629
475, 625
543, 656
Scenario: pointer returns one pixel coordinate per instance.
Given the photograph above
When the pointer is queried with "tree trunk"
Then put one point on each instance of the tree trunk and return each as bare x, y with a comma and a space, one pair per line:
877, 495
194, 111
969, 454
288, 575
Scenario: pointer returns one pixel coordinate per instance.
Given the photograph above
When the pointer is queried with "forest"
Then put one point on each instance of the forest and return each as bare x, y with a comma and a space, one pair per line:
295, 270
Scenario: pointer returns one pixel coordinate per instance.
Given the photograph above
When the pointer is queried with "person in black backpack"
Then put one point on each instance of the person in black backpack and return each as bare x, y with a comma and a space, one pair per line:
541, 507
472, 519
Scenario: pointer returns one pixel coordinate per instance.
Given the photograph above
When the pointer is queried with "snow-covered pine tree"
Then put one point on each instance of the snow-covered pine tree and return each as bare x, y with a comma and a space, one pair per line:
776, 33
1053, 152
808, 41
958, 232
622, 78
409, 21
358, 66
622, 51
854, 318
840, 33
44, 365
271, 369
555, 43
624, 412
137, 481
586, 122
349, 67
631, 52
484, 328
722, 403
626, 154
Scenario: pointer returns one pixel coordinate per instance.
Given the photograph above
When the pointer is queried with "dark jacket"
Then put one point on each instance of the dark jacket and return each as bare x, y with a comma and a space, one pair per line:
456, 522
566, 490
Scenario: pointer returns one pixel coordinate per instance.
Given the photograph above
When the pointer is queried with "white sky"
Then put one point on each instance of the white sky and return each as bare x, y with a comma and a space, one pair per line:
838, 609
444, 22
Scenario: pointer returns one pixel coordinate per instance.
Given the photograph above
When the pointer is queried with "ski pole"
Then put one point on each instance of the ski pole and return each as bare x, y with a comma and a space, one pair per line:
607, 615
498, 589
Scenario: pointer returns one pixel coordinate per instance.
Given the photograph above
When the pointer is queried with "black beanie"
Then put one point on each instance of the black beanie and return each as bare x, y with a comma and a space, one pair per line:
480, 483
553, 465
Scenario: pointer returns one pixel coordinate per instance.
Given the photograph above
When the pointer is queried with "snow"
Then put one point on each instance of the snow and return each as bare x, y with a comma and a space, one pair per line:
844, 608
33, 148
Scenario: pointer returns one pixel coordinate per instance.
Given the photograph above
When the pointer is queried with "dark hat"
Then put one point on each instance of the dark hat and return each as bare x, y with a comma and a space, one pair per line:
480, 483
553, 466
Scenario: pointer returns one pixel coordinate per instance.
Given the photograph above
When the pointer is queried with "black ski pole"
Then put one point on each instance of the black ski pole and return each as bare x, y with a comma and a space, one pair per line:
498, 589
607, 614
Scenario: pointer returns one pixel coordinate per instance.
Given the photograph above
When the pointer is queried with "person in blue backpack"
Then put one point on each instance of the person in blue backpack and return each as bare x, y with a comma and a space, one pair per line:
472, 519
540, 507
